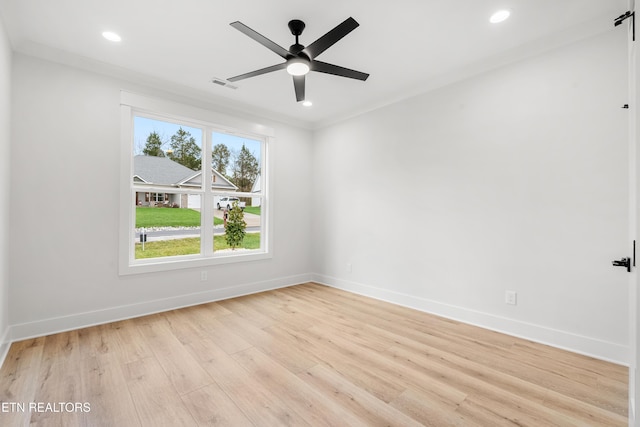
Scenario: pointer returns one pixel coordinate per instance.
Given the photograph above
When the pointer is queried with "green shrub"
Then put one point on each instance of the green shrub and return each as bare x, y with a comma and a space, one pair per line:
236, 226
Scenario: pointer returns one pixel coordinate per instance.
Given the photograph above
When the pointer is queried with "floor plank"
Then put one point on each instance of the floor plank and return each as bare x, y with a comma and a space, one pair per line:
355, 399
155, 399
211, 406
260, 404
59, 380
18, 386
310, 404
182, 370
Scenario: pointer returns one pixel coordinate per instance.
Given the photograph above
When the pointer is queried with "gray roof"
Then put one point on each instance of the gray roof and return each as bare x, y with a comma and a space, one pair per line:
166, 172
160, 170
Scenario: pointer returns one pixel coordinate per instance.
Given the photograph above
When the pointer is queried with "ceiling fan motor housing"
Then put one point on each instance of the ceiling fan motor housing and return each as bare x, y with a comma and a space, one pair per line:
296, 26
296, 50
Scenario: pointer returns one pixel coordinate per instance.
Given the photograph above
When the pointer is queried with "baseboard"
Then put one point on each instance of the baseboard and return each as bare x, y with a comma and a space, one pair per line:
5, 343
81, 320
592, 347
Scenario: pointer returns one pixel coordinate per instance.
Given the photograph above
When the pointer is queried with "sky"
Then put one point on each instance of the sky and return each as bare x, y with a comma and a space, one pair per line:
144, 126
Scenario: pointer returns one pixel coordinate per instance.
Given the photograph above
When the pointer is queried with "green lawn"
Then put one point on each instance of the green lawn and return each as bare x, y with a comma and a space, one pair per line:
168, 217
250, 241
253, 210
165, 248
189, 246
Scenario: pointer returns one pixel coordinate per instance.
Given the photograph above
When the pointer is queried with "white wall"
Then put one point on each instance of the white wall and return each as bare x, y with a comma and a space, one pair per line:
515, 179
5, 149
64, 206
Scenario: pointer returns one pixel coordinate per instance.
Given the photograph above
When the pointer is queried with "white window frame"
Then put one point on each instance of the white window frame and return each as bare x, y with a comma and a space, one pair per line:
131, 105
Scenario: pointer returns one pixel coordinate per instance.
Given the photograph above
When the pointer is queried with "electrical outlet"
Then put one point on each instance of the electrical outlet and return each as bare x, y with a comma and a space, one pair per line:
349, 267
511, 297
203, 276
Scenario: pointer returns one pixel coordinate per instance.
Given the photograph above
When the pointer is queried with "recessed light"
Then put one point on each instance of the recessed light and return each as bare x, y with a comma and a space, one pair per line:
111, 36
307, 103
499, 16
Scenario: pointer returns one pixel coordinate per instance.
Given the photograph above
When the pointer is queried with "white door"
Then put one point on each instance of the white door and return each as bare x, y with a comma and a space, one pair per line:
634, 223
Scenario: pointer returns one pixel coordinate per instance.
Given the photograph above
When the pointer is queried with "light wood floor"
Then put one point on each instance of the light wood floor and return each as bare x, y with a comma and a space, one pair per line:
308, 355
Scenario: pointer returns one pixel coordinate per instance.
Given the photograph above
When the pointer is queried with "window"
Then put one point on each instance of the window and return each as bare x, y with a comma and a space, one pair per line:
170, 217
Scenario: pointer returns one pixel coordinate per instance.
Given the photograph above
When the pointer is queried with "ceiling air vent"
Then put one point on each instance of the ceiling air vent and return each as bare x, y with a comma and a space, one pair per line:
223, 82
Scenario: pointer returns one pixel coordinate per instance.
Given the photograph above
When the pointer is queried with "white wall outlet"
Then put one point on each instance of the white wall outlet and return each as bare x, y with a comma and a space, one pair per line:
349, 267
511, 297
203, 276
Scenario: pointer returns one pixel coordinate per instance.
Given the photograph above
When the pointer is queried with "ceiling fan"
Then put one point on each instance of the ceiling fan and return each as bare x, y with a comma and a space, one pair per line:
299, 60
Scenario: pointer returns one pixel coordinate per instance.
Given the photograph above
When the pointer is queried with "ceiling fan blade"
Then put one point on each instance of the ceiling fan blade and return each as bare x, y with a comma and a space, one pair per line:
326, 41
336, 70
259, 72
279, 50
298, 84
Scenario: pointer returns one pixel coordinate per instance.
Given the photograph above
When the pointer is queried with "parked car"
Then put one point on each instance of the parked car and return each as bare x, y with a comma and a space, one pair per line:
227, 203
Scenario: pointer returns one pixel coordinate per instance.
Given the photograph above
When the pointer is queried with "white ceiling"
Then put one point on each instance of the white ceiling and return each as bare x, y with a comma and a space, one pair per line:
408, 46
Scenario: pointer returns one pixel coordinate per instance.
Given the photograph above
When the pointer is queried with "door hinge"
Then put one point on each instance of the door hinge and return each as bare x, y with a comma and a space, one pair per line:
620, 19
624, 262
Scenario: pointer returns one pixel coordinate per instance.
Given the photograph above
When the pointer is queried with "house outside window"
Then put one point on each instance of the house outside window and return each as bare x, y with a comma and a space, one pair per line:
169, 219
154, 198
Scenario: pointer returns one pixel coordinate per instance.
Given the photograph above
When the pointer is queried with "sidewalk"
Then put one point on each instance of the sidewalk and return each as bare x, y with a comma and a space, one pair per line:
252, 220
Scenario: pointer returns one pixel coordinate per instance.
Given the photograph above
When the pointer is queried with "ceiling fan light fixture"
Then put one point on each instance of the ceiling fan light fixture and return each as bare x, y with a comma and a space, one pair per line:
298, 67
499, 16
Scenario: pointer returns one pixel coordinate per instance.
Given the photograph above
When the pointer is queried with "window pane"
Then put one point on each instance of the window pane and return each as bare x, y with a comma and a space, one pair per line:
167, 231
167, 156
167, 161
237, 161
175, 143
227, 240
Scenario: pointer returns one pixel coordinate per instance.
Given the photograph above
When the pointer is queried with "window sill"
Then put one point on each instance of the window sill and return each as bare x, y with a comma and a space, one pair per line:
162, 264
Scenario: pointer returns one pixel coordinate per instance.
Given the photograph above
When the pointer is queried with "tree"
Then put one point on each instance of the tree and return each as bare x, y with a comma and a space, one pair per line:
185, 150
235, 227
153, 146
245, 170
220, 158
